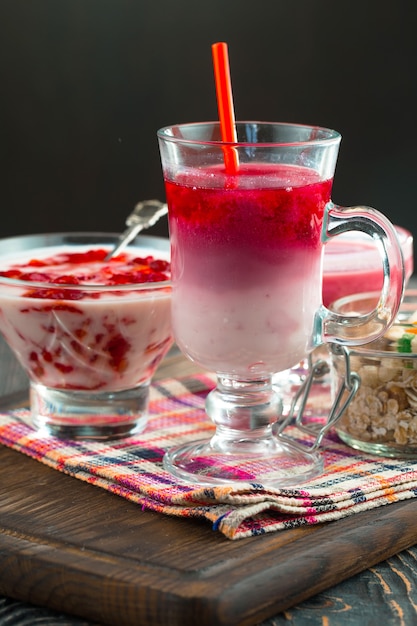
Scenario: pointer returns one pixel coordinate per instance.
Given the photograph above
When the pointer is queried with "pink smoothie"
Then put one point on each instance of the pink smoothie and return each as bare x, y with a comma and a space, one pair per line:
352, 264
70, 330
246, 265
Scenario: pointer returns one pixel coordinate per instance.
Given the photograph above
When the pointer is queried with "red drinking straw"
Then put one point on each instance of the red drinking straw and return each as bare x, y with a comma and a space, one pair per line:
225, 104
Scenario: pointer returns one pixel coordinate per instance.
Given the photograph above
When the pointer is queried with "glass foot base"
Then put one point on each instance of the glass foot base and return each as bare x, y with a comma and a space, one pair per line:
89, 415
273, 463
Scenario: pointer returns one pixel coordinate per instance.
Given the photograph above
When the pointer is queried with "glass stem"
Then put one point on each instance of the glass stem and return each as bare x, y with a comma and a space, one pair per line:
243, 408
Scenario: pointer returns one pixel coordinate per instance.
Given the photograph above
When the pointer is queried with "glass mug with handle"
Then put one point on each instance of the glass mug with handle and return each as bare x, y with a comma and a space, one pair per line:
246, 251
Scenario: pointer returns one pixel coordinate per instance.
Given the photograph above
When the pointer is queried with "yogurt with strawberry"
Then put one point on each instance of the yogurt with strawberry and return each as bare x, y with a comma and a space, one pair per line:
78, 322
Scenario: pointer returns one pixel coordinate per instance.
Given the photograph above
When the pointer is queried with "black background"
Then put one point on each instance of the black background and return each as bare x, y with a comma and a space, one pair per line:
85, 84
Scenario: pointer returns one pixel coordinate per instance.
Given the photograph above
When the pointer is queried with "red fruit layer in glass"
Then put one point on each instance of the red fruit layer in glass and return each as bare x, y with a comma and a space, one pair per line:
264, 206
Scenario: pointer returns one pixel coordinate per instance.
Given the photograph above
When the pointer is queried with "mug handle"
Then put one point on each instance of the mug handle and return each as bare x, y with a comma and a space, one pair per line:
360, 328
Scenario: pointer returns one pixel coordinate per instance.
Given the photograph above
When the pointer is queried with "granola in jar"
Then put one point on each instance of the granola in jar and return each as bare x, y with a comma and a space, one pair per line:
382, 416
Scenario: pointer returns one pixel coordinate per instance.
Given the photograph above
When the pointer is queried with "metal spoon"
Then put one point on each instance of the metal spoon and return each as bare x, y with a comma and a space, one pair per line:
144, 215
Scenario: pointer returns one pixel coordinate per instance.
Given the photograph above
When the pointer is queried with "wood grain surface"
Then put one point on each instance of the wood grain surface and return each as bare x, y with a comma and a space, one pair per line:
81, 551
72, 547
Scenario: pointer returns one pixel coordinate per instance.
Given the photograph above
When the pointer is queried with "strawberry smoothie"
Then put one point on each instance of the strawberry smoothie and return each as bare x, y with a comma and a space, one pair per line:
352, 264
246, 218
246, 265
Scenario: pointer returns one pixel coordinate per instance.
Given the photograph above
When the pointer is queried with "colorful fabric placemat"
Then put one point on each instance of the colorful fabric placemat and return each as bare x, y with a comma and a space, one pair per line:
132, 468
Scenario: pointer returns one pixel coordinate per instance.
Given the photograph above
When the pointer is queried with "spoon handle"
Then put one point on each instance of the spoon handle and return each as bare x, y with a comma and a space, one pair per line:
144, 215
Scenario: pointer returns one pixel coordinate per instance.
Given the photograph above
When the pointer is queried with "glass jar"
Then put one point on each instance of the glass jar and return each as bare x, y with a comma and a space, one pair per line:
381, 418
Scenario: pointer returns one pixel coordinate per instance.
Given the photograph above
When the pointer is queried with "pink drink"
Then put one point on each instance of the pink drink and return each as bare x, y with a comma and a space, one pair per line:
79, 323
246, 265
352, 264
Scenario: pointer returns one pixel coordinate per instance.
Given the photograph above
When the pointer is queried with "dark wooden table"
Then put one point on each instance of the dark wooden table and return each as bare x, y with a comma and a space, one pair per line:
50, 560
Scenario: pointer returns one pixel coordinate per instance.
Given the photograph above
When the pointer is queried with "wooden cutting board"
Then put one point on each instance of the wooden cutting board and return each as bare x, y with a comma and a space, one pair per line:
73, 547
76, 548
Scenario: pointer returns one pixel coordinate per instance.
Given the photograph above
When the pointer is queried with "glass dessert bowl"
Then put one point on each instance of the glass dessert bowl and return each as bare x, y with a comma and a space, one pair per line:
89, 333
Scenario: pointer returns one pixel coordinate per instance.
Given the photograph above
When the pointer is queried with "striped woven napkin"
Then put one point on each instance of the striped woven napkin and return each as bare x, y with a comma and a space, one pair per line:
132, 468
